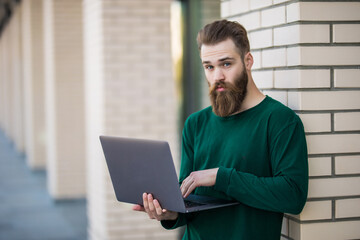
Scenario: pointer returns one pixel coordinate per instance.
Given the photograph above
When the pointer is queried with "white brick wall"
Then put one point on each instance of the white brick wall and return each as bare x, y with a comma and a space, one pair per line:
316, 122
323, 11
298, 33
273, 16
346, 33
333, 143
307, 56
317, 56
347, 78
316, 210
320, 166
347, 208
331, 230
305, 78
340, 186
324, 100
273, 57
347, 164
347, 121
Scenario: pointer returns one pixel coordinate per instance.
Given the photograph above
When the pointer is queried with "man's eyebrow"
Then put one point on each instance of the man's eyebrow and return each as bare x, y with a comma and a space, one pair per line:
220, 60
226, 59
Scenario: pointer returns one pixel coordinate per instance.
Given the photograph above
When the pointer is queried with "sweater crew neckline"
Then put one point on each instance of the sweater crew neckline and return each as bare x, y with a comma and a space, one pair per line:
243, 112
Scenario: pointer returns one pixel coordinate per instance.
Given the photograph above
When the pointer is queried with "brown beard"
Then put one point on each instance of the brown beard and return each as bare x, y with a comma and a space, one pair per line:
229, 101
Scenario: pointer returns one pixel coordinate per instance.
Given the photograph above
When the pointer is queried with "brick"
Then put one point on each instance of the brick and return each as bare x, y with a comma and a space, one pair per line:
285, 227
331, 230
261, 39
257, 59
344, 55
347, 208
292, 12
225, 9
346, 33
263, 79
302, 78
274, 57
256, 4
316, 210
281, 96
347, 78
295, 34
273, 16
347, 164
294, 229
330, 100
319, 122
293, 56
250, 21
323, 11
286, 35
239, 6
335, 143
319, 166
334, 187
347, 121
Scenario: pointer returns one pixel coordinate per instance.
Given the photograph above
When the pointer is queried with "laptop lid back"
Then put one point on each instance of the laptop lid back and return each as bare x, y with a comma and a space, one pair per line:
137, 166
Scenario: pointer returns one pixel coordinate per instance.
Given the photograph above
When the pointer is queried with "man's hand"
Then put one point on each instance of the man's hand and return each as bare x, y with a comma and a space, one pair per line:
196, 179
153, 209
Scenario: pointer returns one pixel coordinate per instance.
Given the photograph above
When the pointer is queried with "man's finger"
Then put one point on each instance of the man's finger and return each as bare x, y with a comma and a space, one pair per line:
150, 202
145, 201
185, 185
189, 190
158, 208
138, 208
146, 206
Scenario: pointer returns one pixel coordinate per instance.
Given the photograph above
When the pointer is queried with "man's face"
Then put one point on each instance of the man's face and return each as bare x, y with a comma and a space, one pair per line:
226, 76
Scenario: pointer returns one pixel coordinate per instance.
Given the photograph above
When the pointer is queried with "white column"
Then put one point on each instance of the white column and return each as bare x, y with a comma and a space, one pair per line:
15, 79
33, 76
64, 98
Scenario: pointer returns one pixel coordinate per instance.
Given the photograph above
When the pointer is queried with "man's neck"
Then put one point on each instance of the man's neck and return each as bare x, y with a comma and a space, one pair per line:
253, 97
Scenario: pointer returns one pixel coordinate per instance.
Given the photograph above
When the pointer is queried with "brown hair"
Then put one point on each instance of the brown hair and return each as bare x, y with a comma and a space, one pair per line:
222, 30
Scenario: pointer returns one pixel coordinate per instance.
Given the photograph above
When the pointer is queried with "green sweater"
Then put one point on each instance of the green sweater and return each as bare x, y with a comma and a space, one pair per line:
262, 158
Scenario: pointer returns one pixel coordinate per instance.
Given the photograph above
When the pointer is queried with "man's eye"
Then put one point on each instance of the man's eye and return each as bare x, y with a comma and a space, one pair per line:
227, 64
209, 67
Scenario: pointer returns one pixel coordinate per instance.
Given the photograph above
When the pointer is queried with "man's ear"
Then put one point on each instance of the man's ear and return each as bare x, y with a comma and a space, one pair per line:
248, 61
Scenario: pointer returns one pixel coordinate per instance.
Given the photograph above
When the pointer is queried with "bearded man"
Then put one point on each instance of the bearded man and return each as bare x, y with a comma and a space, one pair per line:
246, 147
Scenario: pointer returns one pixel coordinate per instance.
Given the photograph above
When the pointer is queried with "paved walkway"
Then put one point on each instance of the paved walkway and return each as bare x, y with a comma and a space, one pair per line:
27, 212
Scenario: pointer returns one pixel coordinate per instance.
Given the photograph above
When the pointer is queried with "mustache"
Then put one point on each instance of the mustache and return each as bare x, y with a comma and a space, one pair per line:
225, 85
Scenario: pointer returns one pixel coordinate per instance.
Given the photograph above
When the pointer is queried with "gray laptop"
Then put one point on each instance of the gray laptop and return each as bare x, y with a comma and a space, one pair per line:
137, 166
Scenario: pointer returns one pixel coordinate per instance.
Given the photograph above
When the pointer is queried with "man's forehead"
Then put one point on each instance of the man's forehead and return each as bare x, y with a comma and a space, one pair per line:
216, 52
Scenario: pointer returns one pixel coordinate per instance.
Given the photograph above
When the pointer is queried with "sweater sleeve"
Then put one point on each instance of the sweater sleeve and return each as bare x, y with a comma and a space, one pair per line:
284, 191
180, 221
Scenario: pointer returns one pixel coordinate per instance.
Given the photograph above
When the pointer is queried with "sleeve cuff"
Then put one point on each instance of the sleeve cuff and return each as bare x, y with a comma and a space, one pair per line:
172, 224
223, 179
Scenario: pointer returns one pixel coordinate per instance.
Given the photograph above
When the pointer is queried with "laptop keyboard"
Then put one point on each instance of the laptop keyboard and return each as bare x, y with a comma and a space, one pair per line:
189, 204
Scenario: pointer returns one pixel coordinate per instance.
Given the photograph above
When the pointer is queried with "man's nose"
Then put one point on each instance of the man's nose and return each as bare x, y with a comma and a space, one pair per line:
219, 75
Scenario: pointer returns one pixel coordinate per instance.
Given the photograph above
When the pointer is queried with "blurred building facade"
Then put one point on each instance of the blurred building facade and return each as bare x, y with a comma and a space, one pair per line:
73, 70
